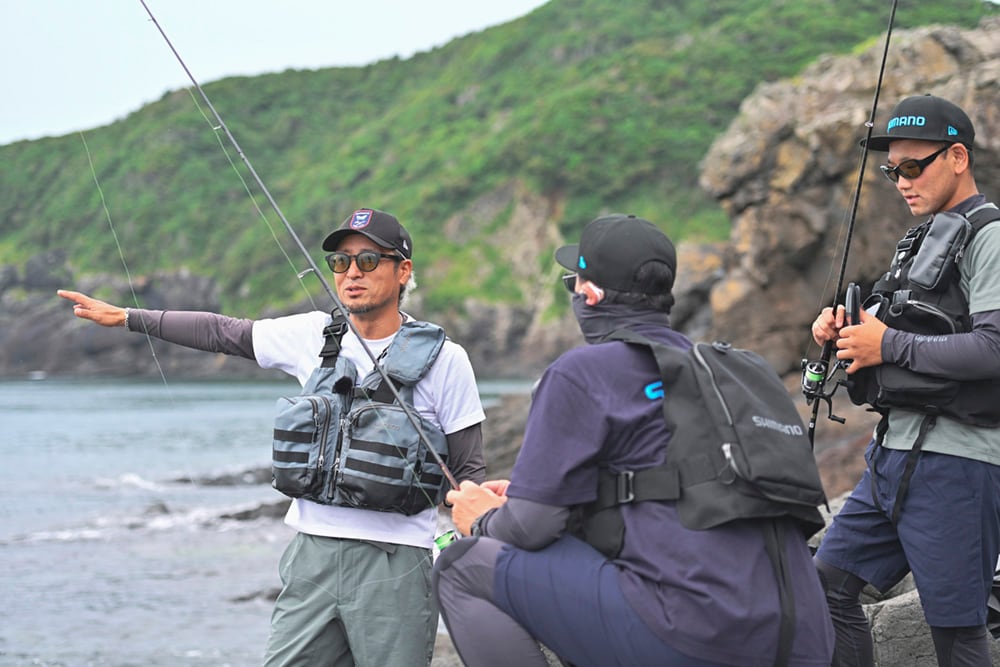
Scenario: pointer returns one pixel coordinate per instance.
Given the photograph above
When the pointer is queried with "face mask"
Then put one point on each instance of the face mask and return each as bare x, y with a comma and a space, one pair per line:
598, 321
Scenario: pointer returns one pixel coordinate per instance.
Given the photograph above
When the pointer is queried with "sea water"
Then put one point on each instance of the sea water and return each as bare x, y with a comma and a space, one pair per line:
118, 542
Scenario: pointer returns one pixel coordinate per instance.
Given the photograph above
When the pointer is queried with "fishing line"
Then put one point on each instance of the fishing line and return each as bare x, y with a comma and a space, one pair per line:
816, 374
121, 256
221, 124
260, 212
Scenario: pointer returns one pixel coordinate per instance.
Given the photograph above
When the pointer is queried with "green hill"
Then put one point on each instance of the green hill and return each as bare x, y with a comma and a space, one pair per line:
593, 104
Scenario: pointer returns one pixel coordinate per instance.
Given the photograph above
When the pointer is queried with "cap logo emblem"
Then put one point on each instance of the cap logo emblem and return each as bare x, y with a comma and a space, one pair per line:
360, 219
582, 263
907, 121
952, 132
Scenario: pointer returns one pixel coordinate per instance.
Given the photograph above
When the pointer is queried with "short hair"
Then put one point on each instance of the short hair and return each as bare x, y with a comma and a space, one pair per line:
972, 159
410, 285
656, 280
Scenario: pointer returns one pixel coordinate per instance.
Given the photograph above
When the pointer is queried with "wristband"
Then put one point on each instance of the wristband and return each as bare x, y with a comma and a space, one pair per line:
125, 323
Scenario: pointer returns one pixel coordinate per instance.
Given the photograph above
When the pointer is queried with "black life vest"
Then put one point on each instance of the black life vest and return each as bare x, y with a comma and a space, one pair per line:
921, 293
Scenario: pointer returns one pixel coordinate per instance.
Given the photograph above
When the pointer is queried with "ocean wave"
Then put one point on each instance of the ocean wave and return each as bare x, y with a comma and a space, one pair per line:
127, 480
159, 517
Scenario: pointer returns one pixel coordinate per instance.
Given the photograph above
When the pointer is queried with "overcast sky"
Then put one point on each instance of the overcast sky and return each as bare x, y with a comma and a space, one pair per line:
71, 65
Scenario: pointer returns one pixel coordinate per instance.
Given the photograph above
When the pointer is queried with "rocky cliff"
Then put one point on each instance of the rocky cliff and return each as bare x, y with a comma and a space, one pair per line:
787, 171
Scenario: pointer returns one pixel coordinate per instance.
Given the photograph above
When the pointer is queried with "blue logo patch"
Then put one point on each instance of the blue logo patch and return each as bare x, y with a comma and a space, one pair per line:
952, 131
654, 390
582, 263
360, 219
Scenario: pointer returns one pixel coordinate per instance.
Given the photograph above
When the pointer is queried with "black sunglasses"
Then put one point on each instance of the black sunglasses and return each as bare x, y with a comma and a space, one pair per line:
367, 260
569, 282
910, 169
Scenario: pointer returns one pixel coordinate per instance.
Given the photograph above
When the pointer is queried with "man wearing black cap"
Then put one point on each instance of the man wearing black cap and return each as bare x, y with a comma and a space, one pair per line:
929, 502
672, 596
355, 580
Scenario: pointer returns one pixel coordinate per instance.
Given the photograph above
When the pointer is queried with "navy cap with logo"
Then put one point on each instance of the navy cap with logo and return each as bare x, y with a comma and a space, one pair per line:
379, 226
613, 247
927, 118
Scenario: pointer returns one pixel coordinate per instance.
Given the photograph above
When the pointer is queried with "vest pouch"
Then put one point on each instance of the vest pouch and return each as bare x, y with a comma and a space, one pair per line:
888, 385
903, 388
385, 466
936, 260
862, 386
301, 449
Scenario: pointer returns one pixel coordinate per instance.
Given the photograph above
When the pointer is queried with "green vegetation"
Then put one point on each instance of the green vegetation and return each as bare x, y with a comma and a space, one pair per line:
604, 106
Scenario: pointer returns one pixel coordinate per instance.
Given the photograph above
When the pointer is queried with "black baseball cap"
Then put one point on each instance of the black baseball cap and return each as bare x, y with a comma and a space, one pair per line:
927, 118
613, 247
381, 227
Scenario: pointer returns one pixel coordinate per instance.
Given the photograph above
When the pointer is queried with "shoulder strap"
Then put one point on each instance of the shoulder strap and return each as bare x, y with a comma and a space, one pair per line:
662, 482
406, 361
334, 333
982, 216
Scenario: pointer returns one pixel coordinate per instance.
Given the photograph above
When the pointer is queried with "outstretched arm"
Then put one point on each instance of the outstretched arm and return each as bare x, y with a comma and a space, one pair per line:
208, 332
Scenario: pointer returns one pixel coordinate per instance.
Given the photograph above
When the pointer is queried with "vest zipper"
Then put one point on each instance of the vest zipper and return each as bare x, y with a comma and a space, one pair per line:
727, 447
715, 388
342, 424
322, 424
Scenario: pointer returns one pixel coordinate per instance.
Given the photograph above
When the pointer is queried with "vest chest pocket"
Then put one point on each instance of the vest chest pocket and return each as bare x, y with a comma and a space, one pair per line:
301, 447
384, 464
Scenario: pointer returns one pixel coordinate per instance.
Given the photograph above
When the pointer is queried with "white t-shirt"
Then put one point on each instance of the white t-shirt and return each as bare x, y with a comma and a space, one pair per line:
447, 396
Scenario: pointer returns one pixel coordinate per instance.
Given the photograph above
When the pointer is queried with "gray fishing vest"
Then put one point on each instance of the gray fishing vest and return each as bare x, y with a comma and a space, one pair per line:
344, 442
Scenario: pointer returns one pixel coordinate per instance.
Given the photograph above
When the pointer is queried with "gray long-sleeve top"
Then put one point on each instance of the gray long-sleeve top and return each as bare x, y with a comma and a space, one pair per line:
966, 356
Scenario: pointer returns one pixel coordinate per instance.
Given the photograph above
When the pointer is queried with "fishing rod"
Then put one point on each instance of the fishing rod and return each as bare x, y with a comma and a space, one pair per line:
817, 373
221, 124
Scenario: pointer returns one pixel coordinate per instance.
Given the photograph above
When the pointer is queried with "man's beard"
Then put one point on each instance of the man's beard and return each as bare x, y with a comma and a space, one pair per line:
366, 308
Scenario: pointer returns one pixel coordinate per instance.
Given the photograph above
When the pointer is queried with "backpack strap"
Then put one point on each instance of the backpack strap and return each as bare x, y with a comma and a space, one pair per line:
662, 482
774, 544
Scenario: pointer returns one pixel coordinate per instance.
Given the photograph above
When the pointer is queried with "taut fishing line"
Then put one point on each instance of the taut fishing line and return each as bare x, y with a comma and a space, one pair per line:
816, 374
121, 256
219, 124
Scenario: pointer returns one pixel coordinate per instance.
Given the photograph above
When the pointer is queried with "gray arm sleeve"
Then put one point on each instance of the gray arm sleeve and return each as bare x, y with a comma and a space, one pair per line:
208, 332
525, 523
465, 454
966, 356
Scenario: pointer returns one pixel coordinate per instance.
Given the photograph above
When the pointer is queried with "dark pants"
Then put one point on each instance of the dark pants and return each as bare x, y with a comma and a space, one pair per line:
499, 602
948, 535
955, 647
